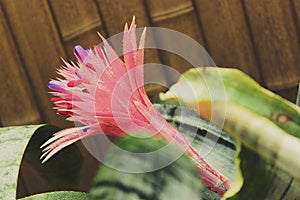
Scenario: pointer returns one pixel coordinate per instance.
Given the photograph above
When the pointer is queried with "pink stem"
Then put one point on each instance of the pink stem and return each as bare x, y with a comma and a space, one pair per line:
211, 177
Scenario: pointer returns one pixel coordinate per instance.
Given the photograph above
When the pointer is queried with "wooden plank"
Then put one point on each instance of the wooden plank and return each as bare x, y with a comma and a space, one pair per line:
227, 35
40, 46
295, 5
114, 15
178, 15
276, 41
17, 101
78, 22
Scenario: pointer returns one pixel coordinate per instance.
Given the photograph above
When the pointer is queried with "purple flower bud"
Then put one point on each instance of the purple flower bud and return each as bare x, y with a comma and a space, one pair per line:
80, 53
56, 86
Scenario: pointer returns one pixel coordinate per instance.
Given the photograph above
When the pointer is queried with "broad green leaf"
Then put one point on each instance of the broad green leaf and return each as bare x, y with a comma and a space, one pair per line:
13, 141
263, 180
261, 120
211, 84
22, 143
62, 195
179, 180
63, 170
274, 182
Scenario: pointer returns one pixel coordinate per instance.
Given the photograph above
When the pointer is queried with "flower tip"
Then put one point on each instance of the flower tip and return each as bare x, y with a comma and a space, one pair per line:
57, 86
101, 36
80, 53
43, 159
54, 85
126, 27
132, 25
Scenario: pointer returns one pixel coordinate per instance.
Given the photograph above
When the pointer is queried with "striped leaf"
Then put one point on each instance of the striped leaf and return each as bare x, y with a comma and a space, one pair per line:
179, 180
62, 195
13, 141
263, 122
21, 144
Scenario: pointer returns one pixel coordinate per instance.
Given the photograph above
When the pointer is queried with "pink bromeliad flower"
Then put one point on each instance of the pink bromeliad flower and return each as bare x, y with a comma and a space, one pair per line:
106, 96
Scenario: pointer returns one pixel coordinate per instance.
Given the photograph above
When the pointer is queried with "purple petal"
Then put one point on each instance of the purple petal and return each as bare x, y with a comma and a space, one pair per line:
56, 86
80, 53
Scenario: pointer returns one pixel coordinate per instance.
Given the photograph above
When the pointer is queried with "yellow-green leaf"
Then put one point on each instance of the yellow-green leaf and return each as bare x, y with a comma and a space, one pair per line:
263, 121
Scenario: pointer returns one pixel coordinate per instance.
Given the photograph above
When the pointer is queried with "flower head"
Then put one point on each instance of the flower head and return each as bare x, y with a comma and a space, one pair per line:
105, 95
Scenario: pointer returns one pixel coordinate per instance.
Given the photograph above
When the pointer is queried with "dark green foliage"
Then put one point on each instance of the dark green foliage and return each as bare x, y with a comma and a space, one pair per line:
179, 180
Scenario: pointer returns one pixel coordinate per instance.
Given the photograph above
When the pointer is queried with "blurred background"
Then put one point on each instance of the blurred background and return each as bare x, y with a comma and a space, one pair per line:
259, 37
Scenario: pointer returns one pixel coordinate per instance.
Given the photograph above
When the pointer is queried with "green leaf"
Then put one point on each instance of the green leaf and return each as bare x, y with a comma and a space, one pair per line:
179, 180
13, 141
274, 183
21, 144
228, 85
264, 122
62, 195
263, 180
62, 171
